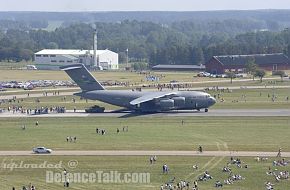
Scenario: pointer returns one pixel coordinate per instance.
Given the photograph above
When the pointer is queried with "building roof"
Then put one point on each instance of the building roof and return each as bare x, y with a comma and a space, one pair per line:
178, 67
68, 52
277, 58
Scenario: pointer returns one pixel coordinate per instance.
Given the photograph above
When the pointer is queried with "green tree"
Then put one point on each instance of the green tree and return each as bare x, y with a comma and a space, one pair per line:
52, 45
282, 74
25, 54
140, 66
251, 67
197, 56
231, 75
260, 73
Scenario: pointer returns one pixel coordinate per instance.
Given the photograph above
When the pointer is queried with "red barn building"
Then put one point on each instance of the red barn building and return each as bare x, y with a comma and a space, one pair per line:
237, 63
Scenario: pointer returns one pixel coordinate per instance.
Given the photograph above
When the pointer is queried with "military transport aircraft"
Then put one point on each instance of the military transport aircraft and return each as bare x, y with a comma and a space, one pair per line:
147, 101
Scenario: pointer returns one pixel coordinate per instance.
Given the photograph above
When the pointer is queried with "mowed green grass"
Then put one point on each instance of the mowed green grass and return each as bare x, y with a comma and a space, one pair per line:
179, 167
252, 99
49, 90
236, 99
122, 76
148, 133
52, 101
134, 78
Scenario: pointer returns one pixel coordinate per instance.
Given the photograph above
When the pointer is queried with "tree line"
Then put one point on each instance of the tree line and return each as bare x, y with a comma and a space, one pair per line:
183, 42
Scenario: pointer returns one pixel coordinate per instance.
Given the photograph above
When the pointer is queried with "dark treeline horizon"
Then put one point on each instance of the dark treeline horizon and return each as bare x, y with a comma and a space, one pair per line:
180, 41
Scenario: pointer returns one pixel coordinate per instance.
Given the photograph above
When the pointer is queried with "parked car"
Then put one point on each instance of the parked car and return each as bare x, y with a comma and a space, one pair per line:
95, 109
41, 150
239, 75
31, 67
203, 74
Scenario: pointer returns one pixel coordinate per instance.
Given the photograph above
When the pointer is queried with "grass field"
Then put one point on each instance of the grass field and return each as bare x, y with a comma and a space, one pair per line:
50, 90
253, 98
13, 65
121, 76
148, 133
179, 167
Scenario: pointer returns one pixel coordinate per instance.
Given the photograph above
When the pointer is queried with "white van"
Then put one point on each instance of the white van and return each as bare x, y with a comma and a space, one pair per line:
31, 67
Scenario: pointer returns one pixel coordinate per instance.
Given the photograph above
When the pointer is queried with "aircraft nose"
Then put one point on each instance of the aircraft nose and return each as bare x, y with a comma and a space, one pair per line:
212, 101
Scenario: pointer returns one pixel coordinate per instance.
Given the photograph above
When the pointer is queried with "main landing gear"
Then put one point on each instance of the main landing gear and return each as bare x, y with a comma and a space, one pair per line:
206, 110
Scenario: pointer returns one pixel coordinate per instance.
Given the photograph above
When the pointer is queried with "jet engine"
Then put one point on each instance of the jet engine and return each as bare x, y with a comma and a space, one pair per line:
179, 101
167, 104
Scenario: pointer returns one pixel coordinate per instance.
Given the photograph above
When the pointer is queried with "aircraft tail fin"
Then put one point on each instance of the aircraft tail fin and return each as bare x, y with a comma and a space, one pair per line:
84, 79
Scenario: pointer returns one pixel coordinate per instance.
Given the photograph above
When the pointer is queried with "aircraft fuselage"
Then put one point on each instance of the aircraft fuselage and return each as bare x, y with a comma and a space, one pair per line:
182, 100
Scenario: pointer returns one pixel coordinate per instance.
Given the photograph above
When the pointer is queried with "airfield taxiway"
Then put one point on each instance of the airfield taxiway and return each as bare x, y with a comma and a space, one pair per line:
180, 113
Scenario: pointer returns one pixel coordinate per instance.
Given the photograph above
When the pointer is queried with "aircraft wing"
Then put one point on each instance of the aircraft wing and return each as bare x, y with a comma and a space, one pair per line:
151, 96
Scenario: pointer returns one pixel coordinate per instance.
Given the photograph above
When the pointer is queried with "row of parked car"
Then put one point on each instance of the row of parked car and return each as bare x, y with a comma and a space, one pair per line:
29, 85
206, 74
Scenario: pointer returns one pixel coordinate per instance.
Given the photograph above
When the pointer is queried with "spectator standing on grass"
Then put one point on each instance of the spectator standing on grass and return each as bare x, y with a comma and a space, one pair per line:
155, 158
200, 148
195, 184
64, 173
279, 152
151, 159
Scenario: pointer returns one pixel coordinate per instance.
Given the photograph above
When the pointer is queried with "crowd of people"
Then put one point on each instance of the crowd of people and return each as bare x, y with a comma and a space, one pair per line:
100, 131
172, 184
277, 173
71, 139
29, 187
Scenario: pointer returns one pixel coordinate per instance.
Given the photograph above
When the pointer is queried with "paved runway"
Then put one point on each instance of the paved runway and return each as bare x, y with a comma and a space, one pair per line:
211, 113
146, 153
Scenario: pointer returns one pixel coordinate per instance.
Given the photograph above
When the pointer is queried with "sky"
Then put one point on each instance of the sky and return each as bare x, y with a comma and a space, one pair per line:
140, 5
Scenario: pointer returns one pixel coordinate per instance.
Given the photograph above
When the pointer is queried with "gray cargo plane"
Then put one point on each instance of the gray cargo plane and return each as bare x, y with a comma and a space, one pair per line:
148, 101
